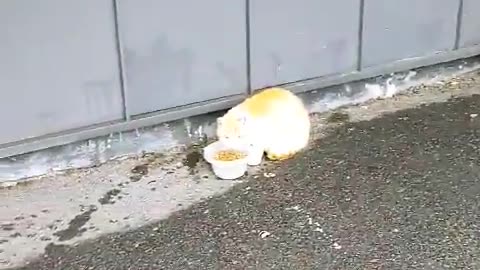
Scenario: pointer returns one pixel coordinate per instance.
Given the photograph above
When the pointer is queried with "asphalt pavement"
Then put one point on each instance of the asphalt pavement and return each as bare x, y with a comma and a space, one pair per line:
396, 192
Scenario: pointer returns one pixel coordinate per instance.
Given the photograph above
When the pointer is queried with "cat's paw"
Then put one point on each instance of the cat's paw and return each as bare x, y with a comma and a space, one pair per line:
279, 157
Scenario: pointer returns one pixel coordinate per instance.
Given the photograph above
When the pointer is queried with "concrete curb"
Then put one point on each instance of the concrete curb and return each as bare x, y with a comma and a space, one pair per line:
192, 130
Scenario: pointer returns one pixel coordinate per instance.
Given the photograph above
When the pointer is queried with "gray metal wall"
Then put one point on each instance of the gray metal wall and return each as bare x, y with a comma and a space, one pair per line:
181, 52
71, 70
58, 67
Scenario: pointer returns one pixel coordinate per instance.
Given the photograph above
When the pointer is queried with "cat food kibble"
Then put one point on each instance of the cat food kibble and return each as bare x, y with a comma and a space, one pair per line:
229, 155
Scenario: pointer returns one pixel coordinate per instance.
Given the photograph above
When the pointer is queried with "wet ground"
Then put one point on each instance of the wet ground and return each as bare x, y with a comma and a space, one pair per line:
399, 191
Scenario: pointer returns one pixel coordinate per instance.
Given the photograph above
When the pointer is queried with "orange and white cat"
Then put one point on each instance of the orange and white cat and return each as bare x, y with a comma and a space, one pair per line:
273, 120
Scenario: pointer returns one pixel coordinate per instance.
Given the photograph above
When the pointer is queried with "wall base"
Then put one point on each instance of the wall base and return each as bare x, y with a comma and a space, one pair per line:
187, 131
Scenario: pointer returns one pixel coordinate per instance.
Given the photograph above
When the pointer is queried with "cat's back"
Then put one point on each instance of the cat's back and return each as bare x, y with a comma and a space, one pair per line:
269, 100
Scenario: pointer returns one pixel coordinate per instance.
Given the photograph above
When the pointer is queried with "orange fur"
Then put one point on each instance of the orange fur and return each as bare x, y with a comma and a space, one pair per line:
257, 105
280, 157
274, 119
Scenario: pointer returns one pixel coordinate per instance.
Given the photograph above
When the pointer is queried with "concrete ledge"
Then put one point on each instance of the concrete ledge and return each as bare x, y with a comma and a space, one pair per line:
71, 136
397, 66
82, 152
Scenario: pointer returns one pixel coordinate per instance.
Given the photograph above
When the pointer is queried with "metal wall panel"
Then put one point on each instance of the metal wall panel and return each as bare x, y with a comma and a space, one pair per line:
58, 67
470, 27
297, 40
182, 52
395, 30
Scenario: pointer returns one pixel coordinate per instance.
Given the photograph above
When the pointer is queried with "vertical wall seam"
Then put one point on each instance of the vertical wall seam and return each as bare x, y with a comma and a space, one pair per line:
247, 47
360, 35
121, 63
458, 32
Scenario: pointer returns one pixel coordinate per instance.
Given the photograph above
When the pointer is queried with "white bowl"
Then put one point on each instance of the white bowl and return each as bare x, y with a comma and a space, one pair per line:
227, 170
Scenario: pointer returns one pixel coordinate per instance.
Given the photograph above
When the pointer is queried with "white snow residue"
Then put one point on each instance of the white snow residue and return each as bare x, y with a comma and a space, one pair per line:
264, 234
295, 208
392, 86
269, 175
86, 154
336, 246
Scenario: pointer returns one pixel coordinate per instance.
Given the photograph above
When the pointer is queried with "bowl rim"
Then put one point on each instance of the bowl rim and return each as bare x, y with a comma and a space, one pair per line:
211, 148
